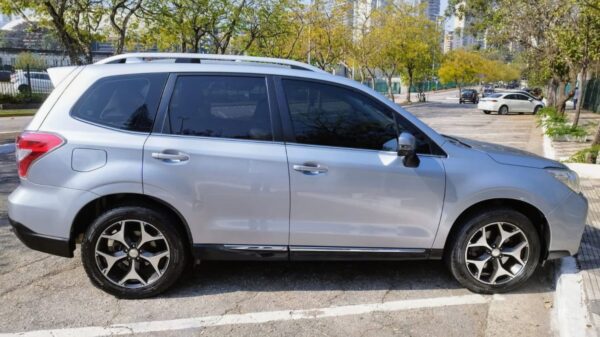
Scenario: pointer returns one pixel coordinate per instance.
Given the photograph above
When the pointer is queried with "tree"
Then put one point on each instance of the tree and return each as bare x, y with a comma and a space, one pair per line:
120, 14
75, 22
329, 36
29, 60
461, 67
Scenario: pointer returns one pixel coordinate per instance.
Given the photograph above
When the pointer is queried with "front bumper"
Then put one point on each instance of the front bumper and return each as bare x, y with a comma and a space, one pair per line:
42, 243
567, 223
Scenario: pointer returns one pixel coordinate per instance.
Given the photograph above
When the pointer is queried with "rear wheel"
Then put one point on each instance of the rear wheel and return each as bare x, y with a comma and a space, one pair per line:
133, 252
23, 88
494, 251
503, 110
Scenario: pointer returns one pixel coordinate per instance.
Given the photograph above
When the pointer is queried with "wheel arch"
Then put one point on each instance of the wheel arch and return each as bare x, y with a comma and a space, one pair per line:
94, 208
536, 217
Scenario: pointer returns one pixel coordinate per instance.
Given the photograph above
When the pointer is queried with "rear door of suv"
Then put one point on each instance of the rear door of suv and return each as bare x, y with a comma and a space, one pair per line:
217, 159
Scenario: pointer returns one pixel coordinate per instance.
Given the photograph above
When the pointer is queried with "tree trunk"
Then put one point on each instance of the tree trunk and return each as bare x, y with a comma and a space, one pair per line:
410, 81
581, 92
561, 101
72, 46
389, 88
597, 137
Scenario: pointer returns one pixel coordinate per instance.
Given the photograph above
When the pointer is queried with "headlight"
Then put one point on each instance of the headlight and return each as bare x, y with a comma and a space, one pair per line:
568, 177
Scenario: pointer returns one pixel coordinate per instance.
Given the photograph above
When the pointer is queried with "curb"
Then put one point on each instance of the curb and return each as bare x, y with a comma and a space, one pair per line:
570, 316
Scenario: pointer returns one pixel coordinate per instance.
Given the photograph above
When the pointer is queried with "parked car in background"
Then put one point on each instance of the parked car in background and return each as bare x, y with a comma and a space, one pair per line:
154, 166
487, 91
508, 102
37, 82
469, 95
4, 76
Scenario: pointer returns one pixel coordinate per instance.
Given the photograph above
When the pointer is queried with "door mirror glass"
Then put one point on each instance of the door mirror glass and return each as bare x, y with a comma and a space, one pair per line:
407, 145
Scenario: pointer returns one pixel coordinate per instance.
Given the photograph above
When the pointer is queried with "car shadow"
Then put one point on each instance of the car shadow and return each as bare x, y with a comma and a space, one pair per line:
588, 257
226, 277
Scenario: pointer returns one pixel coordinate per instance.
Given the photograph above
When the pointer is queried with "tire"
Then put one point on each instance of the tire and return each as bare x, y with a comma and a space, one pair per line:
460, 102
503, 110
23, 88
487, 112
536, 109
164, 247
466, 241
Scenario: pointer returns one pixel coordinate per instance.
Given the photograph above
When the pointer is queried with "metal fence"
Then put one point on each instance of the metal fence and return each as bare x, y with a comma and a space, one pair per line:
28, 85
591, 98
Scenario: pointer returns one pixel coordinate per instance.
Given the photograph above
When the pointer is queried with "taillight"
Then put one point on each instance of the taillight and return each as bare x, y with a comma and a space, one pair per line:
494, 101
31, 146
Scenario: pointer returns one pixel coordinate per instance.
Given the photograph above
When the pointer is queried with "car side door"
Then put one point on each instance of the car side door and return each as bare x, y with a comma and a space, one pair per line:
350, 191
217, 159
526, 103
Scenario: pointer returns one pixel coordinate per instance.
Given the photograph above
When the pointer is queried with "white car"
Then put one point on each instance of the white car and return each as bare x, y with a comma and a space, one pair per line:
507, 102
36, 81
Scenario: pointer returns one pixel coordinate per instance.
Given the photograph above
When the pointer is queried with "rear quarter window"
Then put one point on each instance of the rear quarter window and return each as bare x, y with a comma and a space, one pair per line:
127, 102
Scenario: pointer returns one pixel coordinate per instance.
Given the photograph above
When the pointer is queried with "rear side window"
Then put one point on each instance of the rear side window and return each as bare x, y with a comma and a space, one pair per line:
221, 107
127, 102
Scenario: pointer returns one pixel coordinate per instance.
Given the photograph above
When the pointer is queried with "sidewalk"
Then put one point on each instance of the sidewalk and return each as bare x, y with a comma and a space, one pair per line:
588, 258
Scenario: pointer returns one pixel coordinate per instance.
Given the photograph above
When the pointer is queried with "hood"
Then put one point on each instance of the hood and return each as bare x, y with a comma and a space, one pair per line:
511, 156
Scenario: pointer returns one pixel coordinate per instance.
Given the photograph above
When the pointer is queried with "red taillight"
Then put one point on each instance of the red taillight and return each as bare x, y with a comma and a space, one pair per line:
494, 101
33, 145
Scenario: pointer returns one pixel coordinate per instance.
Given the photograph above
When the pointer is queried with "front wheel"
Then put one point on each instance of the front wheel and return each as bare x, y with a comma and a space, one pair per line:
503, 110
536, 109
133, 252
494, 251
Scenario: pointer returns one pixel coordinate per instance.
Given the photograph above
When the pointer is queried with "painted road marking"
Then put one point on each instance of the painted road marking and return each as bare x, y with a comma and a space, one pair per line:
255, 317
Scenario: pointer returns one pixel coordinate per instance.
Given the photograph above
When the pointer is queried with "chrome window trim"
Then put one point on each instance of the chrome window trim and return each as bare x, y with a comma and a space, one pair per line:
257, 247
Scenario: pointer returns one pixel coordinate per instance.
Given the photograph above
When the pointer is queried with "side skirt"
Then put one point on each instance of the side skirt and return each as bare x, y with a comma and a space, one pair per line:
309, 253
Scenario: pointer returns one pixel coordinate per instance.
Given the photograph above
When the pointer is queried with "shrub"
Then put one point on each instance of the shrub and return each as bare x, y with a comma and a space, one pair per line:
22, 98
582, 155
549, 116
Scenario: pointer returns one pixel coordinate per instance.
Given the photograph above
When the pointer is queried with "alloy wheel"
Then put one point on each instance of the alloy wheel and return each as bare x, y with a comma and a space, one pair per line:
497, 253
132, 253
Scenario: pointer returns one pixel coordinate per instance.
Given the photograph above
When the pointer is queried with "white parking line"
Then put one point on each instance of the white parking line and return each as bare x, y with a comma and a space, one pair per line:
255, 317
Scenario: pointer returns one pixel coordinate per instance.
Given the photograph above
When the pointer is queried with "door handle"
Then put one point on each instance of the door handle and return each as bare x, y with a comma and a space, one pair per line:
171, 157
310, 169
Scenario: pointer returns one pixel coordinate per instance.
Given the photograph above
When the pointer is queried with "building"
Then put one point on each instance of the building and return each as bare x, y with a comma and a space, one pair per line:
448, 42
461, 36
360, 13
433, 9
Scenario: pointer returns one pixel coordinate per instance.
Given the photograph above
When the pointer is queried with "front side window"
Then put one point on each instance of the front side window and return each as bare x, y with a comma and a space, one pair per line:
323, 114
220, 106
127, 102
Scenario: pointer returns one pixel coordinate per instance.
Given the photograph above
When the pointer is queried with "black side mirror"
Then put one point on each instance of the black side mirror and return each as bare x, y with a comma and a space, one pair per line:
407, 148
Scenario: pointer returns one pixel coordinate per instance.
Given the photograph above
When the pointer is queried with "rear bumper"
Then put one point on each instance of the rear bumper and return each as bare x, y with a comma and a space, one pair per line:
42, 243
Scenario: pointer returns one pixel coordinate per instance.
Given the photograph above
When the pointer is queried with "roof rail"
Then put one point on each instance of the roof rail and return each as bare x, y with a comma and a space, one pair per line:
188, 58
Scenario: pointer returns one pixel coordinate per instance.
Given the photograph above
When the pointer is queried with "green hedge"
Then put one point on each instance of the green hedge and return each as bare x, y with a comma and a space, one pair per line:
22, 98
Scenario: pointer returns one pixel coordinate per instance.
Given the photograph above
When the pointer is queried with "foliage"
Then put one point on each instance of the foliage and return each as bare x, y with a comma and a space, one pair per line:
549, 116
30, 60
586, 155
22, 98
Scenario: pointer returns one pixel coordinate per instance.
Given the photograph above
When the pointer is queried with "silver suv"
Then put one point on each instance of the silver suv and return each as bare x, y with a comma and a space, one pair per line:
155, 161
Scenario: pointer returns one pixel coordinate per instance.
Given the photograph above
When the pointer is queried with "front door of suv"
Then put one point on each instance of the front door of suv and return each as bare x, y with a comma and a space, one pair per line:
216, 162
350, 192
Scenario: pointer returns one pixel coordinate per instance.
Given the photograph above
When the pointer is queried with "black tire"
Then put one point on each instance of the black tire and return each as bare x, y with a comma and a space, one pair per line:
487, 112
455, 255
536, 109
177, 256
23, 88
503, 110
460, 102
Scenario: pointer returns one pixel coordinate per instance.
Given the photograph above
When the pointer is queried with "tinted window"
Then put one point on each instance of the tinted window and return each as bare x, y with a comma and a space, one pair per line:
220, 106
127, 102
522, 97
509, 97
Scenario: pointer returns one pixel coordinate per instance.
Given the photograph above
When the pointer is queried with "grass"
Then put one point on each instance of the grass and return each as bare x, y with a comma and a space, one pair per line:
17, 112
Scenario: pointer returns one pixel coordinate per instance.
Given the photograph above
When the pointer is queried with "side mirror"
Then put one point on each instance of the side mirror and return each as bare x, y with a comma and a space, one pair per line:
531, 100
407, 147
